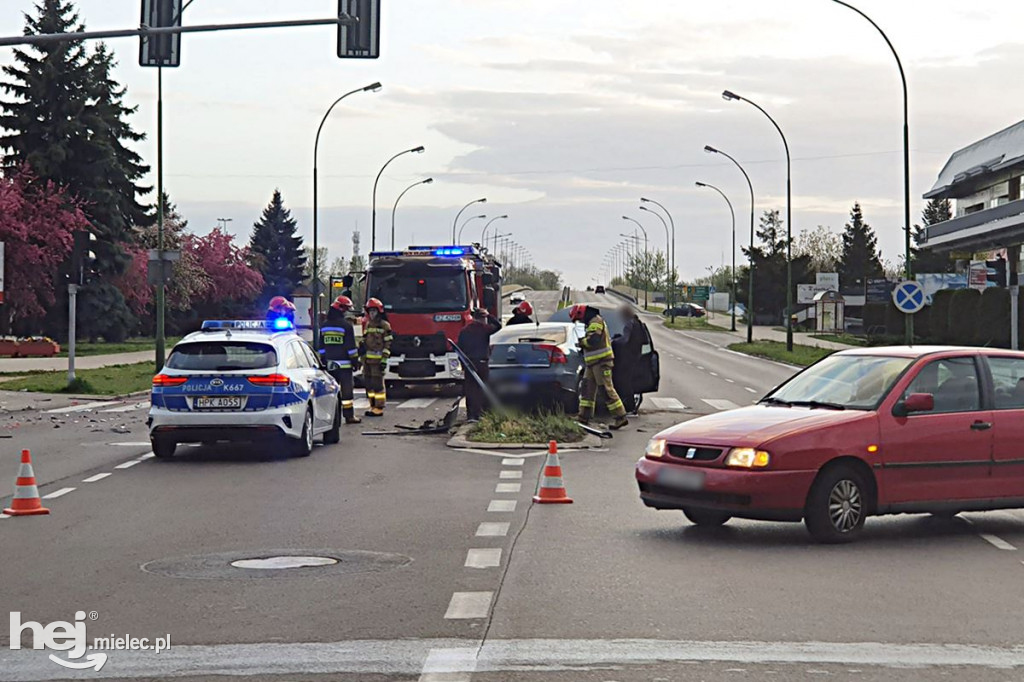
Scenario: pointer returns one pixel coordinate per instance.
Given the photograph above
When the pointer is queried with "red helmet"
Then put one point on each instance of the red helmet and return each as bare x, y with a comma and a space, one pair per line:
279, 303
577, 312
374, 304
342, 302
525, 308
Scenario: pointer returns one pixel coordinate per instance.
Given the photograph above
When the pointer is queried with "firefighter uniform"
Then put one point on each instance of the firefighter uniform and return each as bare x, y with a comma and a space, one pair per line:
376, 350
599, 360
338, 345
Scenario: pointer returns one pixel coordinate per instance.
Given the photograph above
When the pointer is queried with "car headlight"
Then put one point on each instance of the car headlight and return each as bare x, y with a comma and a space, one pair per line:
656, 448
747, 458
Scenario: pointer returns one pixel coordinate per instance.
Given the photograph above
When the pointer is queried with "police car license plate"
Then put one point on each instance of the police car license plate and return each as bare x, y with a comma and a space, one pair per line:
682, 479
218, 402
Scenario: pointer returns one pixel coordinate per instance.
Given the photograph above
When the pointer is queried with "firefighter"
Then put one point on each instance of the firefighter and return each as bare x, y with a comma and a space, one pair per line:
475, 342
338, 345
375, 351
521, 314
280, 307
599, 359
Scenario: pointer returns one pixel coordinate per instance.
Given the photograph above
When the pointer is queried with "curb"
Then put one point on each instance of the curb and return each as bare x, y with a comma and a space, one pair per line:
459, 440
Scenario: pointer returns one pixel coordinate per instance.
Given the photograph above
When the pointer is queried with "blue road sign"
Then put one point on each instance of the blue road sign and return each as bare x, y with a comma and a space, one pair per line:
908, 297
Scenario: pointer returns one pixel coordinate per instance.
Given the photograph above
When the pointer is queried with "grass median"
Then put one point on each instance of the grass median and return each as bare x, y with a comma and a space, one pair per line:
521, 427
86, 348
775, 350
114, 380
693, 324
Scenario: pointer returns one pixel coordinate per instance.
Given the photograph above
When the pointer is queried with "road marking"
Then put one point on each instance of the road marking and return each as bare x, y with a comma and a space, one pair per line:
502, 506
720, 404
147, 456
449, 665
511, 474
81, 408
508, 487
730, 381
469, 605
97, 477
668, 404
4, 516
714, 374
997, 542
417, 403
749, 389
689, 362
127, 465
360, 404
129, 408
57, 493
700, 366
513, 461
492, 529
483, 558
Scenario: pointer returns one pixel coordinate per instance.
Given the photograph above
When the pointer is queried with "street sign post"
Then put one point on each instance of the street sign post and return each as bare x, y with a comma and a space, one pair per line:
908, 297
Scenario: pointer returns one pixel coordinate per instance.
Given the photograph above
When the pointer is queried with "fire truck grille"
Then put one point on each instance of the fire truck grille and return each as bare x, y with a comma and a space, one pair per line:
421, 346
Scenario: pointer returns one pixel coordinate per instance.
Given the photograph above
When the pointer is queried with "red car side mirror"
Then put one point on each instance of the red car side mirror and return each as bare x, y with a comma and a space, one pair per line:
915, 402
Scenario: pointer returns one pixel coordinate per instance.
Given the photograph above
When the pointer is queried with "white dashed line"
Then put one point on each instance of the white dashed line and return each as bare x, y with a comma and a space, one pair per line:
4, 516
417, 403
512, 462
469, 605
689, 362
714, 374
730, 381
502, 506
668, 404
749, 389
57, 493
147, 456
127, 465
701, 367
508, 487
483, 558
97, 477
492, 529
720, 404
517, 473
997, 542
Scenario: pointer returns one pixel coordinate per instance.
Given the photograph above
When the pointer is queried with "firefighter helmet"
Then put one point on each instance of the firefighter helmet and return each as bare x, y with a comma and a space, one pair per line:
342, 302
279, 304
577, 312
525, 308
374, 304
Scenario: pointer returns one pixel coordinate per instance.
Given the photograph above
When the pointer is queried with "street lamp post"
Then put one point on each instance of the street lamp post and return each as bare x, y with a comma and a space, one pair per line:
732, 293
906, 160
455, 222
496, 237
647, 257
467, 222
750, 295
224, 222
669, 270
730, 96
483, 235
374, 87
373, 209
672, 222
395, 207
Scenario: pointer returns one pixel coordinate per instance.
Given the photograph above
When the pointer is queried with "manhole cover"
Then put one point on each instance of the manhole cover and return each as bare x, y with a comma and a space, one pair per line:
275, 563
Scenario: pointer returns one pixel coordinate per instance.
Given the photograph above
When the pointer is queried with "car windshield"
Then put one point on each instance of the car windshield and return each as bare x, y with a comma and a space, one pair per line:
847, 381
410, 289
527, 334
222, 356
611, 318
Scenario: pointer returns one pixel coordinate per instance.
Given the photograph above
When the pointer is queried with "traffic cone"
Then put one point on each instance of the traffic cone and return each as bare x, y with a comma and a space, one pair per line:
552, 489
26, 500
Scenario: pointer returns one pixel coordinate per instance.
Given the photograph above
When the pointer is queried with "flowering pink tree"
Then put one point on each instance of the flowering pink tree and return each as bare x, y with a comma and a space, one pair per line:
37, 219
133, 283
231, 280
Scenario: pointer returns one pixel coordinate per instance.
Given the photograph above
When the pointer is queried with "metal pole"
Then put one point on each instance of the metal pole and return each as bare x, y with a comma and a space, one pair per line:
1014, 319
373, 204
467, 222
455, 223
483, 235
732, 292
161, 288
72, 329
672, 286
647, 257
395, 207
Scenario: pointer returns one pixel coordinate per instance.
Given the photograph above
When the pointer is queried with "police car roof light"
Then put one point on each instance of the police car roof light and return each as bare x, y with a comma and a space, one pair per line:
278, 324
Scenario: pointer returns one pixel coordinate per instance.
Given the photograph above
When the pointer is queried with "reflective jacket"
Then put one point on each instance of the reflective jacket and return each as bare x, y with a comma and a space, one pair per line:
338, 341
377, 339
597, 346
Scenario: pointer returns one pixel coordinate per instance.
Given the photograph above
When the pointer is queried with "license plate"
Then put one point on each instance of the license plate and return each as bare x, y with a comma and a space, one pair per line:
515, 388
218, 402
682, 479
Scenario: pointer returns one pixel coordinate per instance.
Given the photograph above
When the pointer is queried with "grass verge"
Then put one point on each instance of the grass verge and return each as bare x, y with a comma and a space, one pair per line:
519, 427
774, 350
696, 324
115, 380
84, 348
848, 339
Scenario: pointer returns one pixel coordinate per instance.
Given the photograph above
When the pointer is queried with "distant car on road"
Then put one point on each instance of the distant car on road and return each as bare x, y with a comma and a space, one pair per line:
516, 298
537, 365
685, 310
863, 432
240, 380
599, 289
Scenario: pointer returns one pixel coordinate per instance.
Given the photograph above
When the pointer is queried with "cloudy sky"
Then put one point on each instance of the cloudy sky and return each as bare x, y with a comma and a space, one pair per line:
563, 113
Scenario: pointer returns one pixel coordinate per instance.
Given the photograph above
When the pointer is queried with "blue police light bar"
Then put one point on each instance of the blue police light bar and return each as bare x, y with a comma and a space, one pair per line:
278, 324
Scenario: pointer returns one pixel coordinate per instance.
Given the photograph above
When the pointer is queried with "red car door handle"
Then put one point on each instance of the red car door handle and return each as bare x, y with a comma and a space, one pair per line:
981, 426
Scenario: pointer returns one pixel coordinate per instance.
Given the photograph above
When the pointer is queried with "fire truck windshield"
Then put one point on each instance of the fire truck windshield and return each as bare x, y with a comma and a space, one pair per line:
409, 289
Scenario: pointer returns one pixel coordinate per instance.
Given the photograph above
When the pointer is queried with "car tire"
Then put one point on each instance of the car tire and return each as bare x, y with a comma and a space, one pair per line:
333, 436
303, 445
706, 518
163, 448
837, 505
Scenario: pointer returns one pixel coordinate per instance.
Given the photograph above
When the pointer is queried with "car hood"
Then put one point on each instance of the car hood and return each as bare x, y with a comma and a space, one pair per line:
754, 425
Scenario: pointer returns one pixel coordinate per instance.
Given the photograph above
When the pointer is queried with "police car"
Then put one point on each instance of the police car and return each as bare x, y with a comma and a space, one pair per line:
244, 380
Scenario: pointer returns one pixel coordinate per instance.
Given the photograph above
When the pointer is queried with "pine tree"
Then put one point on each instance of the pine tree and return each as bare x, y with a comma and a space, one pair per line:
276, 251
770, 270
935, 211
860, 260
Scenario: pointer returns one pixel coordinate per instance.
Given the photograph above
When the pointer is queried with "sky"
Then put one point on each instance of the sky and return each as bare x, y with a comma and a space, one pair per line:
564, 113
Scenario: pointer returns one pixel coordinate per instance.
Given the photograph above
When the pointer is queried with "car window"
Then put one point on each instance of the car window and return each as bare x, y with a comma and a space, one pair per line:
292, 360
222, 356
1008, 382
311, 358
952, 381
851, 381
527, 334
300, 355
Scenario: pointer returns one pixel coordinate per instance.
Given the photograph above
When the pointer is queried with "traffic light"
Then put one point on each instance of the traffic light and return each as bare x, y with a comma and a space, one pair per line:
360, 40
83, 258
997, 272
163, 49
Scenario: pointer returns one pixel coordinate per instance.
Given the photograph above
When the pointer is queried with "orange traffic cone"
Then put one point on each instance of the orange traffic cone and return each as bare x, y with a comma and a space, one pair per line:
26, 500
552, 489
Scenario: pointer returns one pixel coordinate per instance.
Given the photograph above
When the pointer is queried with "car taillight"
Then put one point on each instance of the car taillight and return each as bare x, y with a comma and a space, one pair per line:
270, 380
554, 352
165, 380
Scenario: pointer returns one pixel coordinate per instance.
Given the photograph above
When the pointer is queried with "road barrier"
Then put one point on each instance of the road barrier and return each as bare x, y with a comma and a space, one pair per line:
552, 488
26, 500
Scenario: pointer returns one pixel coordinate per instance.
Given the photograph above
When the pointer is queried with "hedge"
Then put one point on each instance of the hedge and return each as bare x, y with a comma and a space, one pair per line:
964, 317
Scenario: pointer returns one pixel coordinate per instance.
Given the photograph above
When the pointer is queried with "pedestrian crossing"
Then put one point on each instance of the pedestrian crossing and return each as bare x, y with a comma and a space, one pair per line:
360, 402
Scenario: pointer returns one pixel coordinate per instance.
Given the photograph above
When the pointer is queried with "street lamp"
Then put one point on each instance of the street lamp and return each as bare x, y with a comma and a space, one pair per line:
906, 159
373, 87
672, 222
483, 235
395, 207
732, 297
467, 222
459, 214
373, 214
731, 96
750, 295
647, 257
224, 222
669, 270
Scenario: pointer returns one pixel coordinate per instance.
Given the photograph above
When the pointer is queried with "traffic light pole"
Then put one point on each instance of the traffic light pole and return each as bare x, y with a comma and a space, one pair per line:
161, 288
72, 328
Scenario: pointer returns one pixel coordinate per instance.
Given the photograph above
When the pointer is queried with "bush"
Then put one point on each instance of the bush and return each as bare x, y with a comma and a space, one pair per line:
962, 316
938, 317
991, 323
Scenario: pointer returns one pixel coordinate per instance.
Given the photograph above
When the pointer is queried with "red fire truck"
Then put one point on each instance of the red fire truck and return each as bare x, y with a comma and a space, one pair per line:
428, 293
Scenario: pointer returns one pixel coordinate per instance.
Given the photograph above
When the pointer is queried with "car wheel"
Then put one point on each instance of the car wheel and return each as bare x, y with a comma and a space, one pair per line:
707, 518
334, 435
303, 445
163, 448
837, 505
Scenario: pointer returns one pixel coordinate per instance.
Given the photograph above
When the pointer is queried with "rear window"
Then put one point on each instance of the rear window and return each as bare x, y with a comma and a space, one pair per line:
523, 333
222, 356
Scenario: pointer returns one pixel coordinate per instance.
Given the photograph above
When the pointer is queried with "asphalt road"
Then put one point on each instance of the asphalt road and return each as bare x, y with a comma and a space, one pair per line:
446, 571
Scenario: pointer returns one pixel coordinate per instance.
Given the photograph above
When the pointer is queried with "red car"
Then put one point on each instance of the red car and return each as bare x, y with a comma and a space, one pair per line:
863, 432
